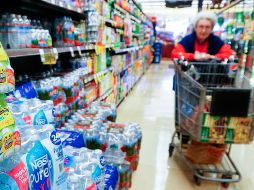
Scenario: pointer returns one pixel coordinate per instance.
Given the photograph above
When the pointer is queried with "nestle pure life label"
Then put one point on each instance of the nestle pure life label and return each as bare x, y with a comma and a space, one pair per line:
54, 147
40, 169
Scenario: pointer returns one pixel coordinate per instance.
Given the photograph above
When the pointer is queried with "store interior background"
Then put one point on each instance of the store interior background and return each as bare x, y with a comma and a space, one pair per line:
126, 76
174, 23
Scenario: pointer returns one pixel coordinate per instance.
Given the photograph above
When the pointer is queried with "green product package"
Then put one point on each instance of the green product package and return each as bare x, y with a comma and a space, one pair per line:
108, 58
205, 133
230, 135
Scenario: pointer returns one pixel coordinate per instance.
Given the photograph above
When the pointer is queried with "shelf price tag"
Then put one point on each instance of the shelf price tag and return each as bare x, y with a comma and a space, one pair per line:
41, 51
48, 58
79, 51
55, 52
72, 51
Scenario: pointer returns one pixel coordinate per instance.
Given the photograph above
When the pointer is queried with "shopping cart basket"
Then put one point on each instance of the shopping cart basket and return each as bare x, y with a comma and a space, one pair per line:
214, 104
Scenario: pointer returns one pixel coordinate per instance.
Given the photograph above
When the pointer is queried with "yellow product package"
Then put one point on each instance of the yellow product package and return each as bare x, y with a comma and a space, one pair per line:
7, 80
9, 138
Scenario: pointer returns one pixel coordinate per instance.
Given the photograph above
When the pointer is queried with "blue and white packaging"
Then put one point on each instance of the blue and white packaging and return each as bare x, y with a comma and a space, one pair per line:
111, 177
27, 90
54, 146
40, 168
71, 138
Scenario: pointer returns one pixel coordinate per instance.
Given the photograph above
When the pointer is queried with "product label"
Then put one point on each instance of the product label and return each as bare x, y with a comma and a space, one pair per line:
102, 161
91, 187
40, 118
229, 135
205, 134
10, 76
40, 169
17, 141
3, 75
213, 121
55, 139
3, 55
97, 175
6, 118
20, 175
27, 119
54, 146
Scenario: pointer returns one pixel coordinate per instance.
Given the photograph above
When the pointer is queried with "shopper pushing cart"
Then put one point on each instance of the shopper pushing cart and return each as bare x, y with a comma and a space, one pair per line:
214, 105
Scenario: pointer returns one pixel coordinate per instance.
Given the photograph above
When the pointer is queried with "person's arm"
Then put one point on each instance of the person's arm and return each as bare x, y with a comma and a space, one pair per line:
225, 52
179, 51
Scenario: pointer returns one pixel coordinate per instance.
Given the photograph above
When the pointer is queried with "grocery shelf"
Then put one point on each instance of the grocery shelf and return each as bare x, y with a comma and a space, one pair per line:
137, 5
94, 76
234, 3
135, 19
128, 66
105, 95
121, 100
117, 7
42, 7
109, 21
128, 49
13, 53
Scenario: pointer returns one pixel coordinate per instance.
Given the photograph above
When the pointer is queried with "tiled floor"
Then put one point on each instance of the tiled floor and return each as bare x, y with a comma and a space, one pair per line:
151, 104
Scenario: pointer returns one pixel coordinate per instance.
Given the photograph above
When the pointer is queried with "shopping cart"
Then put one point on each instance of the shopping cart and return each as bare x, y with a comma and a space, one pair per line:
214, 104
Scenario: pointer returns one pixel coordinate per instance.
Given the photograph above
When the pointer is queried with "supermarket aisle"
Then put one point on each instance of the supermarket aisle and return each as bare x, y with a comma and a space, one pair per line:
151, 104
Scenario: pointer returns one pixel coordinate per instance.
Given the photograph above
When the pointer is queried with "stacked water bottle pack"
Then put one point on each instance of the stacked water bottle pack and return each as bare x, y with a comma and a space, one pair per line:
119, 142
90, 152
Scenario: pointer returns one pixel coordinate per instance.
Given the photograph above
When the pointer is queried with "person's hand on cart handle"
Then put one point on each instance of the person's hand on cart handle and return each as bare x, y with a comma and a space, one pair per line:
198, 56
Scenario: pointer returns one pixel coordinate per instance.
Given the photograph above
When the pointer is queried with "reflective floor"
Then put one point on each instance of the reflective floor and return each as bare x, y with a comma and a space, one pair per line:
151, 103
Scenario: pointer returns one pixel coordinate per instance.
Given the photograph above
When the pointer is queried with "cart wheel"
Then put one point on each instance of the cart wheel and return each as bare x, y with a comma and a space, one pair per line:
197, 180
171, 150
225, 184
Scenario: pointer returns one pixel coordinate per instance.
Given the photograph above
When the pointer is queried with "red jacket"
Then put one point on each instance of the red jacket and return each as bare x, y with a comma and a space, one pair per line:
224, 52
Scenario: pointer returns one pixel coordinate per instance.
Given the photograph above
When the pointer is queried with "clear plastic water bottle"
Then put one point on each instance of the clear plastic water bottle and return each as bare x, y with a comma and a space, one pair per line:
21, 32
27, 32
73, 182
87, 181
13, 32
